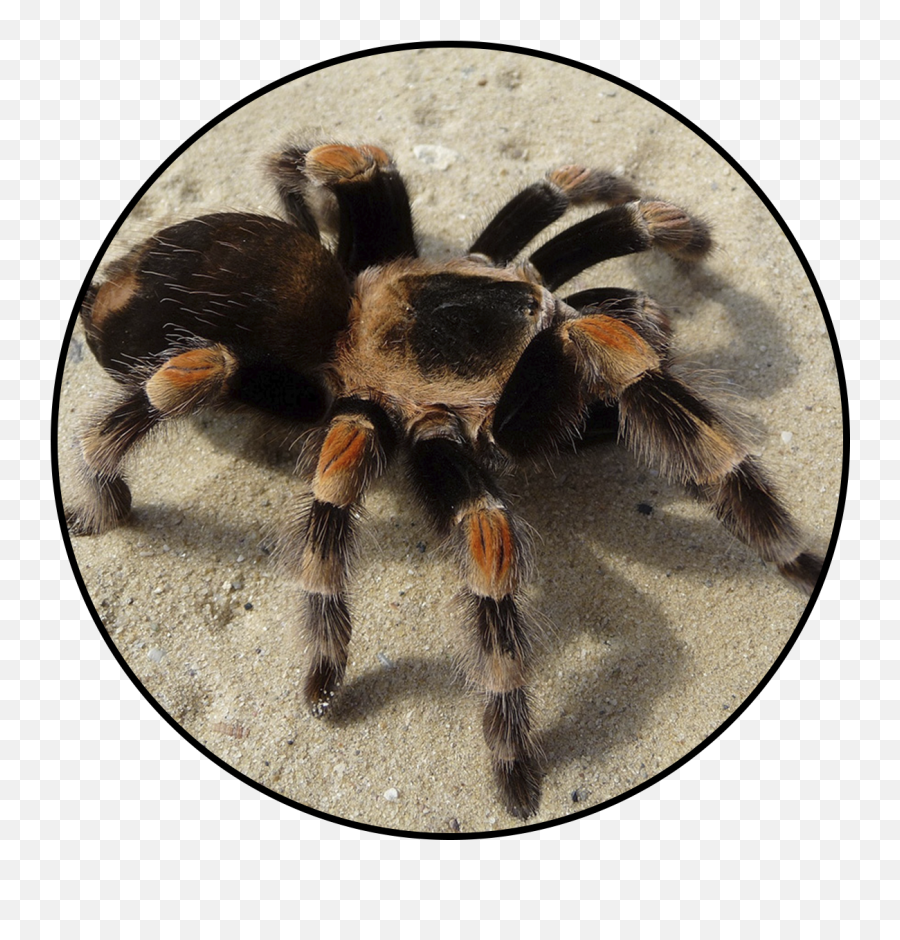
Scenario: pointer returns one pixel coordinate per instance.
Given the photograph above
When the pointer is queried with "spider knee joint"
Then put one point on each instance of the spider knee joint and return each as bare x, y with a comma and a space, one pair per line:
191, 380
674, 230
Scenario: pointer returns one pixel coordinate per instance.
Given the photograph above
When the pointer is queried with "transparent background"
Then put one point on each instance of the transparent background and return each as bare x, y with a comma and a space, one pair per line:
115, 826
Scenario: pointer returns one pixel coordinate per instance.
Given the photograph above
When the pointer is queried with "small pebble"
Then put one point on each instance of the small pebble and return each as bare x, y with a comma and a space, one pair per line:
391, 795
435, 155
787, 436
156, 654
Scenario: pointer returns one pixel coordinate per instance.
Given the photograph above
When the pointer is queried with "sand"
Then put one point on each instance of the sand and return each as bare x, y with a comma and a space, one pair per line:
657, 627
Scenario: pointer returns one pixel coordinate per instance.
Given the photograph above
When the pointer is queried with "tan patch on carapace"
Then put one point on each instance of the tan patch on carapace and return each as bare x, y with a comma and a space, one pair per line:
375, 360
191, 379
343, 463
112, 296
492, 550
610, 353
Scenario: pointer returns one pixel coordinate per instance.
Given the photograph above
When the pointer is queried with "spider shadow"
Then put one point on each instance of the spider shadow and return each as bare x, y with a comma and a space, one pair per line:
606, 702
611, 640
757, 354
407, 680
611, 698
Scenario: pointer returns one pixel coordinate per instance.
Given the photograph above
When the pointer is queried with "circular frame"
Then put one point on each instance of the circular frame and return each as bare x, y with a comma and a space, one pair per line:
755, 308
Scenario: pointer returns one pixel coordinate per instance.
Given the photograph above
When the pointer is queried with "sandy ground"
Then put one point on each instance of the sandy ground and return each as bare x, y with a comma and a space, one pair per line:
659, 625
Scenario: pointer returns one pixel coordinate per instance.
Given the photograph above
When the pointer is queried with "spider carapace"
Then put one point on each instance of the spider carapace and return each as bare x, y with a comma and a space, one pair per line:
462, 368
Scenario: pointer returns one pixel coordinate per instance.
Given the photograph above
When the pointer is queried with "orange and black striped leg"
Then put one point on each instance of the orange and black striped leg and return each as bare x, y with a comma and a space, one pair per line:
540, 204
602, 358
561, 374
184, 383
465, 504
669, 425
623, 230
354, 451
646, 317
375, 221
104, 499
640, 311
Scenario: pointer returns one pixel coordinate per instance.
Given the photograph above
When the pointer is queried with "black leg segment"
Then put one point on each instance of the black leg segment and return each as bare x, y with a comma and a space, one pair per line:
623, 230
542, 203
375, 222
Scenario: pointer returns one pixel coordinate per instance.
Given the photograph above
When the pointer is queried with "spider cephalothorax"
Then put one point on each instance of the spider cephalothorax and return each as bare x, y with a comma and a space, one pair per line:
462, 367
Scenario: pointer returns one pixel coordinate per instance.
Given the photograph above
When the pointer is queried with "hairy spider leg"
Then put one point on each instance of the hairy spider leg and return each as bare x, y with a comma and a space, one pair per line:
287, 172
646, 317
465, 505
623, 230
640, 311
542, 203
664, 422
187, 382
320, 548
667, 424
375, 221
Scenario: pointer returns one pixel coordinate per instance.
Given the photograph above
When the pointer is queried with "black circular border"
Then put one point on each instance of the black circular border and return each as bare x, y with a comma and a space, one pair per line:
560, 820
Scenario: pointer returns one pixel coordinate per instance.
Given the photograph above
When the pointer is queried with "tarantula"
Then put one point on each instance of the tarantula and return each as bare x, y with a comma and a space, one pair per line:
464, 367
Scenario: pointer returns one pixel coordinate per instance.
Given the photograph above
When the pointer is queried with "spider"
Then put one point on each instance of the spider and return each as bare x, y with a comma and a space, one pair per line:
463, 368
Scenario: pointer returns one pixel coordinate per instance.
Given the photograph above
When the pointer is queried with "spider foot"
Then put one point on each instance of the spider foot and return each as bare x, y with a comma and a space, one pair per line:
109, 506
322, 683
520, 784
78, 523
673, 230
514, 757
803, 571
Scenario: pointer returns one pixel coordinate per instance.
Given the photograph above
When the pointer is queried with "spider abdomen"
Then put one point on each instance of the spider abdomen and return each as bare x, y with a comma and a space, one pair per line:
244, 281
